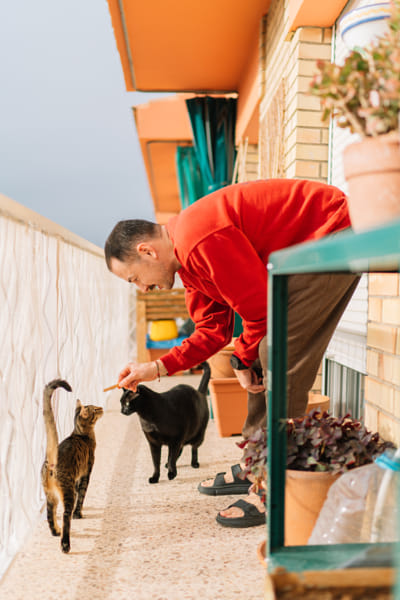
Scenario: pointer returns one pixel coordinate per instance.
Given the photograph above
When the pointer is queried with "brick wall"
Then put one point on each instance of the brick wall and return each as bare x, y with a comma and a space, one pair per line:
382, 387
291, 59
247, 158
306, 137
251, 170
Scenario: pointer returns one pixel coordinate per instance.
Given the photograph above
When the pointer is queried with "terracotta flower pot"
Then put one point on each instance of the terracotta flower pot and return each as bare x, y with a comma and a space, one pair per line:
372, 170
220, 363
305, 493
317, 401
229, 404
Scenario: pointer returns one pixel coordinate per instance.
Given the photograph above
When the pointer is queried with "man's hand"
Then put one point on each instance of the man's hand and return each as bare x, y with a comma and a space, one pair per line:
134, 373
249, 380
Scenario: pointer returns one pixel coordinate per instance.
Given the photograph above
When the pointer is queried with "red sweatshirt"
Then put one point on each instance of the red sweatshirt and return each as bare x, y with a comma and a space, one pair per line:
223, 242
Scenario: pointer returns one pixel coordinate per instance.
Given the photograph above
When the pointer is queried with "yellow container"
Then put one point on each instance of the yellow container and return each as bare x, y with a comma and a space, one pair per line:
163, 330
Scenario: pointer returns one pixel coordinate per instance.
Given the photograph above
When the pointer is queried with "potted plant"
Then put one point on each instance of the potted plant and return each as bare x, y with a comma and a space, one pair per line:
319, 448
229, 405
228, 398
364, 23
363, 95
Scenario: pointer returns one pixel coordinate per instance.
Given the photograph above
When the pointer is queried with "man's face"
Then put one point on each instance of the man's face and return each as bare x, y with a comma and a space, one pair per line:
147, 272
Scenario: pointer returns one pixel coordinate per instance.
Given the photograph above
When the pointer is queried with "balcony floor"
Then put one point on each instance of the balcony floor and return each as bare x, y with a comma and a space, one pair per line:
140, 541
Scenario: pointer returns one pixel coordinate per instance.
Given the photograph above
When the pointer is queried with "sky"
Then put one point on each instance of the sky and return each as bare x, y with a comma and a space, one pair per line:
68, 143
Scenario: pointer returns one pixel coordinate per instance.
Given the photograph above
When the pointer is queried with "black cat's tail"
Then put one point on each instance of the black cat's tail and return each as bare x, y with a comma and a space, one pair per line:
205, 378
49, 421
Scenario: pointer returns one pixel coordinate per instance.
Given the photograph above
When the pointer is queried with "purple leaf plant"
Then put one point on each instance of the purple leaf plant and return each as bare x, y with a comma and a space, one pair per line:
315, 442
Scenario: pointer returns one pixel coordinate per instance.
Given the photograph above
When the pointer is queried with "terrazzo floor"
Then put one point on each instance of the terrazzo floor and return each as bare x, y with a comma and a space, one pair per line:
140, 541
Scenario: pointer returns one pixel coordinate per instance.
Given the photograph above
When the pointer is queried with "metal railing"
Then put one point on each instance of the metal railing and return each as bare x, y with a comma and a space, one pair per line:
62, 314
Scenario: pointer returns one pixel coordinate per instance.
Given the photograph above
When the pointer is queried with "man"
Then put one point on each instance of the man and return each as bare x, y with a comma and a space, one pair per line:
220, 247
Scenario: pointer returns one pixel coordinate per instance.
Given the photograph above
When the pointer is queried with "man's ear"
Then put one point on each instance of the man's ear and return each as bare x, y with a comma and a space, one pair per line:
146, 249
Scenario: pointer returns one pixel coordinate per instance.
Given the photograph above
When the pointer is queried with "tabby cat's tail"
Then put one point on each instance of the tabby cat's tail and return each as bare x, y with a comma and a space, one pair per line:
49, 421
203, 385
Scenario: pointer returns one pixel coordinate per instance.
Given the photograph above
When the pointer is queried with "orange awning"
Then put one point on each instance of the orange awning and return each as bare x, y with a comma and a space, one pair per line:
200, 47
185, 46
314, 13
161, 126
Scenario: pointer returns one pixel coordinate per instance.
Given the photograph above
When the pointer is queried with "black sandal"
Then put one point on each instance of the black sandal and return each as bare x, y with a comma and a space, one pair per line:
251, 518
221, 488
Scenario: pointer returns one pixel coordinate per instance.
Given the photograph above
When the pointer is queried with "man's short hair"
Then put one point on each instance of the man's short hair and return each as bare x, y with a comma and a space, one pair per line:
122, 241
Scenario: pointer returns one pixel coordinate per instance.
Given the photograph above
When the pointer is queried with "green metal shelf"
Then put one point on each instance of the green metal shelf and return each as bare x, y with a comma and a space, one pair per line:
315, 558
376, 250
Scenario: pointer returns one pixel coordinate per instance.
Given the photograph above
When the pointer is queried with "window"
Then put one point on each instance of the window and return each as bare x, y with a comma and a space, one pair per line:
345, 387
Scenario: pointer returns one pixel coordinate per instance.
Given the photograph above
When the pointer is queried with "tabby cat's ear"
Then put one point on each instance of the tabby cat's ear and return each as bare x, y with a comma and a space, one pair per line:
78, 404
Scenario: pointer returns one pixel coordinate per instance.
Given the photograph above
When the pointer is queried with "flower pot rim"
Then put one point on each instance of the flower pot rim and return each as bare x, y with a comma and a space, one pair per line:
370, 156
222, 380
298, 474
388, 137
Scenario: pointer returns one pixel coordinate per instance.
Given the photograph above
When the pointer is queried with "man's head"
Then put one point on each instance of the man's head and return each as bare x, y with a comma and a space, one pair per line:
122, 241
141, 252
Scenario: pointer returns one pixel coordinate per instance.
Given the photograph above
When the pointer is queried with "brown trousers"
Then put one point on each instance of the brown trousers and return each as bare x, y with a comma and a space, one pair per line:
315, 304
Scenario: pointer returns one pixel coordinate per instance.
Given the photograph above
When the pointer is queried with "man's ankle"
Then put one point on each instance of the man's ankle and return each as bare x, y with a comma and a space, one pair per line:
250, 477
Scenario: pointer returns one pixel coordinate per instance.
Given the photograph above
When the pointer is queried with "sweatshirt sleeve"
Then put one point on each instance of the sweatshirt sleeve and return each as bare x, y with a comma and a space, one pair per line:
231, 265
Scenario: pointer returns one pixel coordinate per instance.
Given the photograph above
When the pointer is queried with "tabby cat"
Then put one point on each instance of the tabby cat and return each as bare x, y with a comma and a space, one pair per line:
66, 470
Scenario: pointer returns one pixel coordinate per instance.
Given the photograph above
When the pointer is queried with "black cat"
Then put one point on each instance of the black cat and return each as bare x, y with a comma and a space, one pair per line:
173, 418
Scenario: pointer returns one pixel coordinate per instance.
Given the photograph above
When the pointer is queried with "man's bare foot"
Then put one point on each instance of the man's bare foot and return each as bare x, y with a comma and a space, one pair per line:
236, 512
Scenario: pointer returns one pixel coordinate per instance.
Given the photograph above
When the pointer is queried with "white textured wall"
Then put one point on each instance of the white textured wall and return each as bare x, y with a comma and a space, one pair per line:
62, 314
